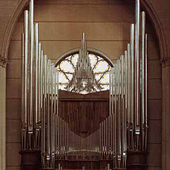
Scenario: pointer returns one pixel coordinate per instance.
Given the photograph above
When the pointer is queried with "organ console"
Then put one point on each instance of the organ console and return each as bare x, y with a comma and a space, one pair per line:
121, 132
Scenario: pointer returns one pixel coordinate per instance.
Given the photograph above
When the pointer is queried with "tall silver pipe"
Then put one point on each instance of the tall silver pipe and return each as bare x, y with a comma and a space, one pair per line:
111, 135
51, 112
125, 107
36, 111
31, 26
23, 76
133, 104
23, 130
122, 99
51, 106
36, 72
129, 80
41, 112
55, 91
57, 135
39, 82
137, 60
55, 114
43, 119
119, 146
48, 110
143, 80
110, 93
143, 67
146, 91
115, 115
132, 74
113, 76
26, 66
129, 94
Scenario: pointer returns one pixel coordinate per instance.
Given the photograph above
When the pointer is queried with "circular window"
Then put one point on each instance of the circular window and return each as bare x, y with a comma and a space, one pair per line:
101, 68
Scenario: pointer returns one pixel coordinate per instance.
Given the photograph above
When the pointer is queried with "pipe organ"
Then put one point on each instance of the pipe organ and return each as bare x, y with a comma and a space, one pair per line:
128, 94
123, 130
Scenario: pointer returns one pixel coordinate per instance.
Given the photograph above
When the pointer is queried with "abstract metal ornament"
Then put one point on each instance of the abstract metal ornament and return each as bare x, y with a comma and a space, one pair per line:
83, 77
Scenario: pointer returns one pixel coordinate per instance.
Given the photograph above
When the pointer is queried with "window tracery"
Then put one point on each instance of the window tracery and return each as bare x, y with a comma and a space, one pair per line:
99, 64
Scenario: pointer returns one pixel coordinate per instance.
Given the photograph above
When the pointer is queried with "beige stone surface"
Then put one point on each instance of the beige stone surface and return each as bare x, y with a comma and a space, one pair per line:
73, 31
6, 10
13, 155
13, 88
96, 13
79, 2
154, 157
155, 131
14, 50
14, 168
154, 69
154, 89
154, 168
14, 69
14, 130
155, 109
153, 50
13, 109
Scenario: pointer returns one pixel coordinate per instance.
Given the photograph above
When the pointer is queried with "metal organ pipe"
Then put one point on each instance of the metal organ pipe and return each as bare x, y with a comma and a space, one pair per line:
26, 67
137, 61
31, 36
146, 92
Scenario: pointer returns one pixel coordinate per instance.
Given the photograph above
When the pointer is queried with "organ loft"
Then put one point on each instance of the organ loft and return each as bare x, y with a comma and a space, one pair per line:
84, 85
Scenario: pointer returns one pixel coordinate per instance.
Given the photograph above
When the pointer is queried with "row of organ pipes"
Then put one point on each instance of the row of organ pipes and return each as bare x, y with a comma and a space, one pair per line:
125, 128
128, 95
39, 93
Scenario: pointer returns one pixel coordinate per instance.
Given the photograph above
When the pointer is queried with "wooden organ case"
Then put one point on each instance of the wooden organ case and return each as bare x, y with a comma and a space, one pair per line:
83, 113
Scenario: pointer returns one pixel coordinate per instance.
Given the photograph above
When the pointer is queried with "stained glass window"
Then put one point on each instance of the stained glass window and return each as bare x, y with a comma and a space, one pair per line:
99, 64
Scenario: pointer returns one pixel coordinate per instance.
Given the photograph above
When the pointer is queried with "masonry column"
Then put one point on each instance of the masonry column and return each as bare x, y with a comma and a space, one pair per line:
2, 113
166, 114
